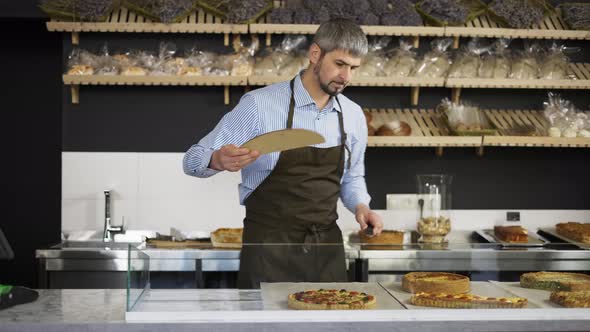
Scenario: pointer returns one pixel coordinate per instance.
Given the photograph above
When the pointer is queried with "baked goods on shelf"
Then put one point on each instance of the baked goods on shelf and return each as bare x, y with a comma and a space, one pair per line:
230, 238
467, 301
574, 230
564, 281
81, 70
388, 239
579, 299
511, 234
394, 128
331, 299
435, 282
134, 71
434, 230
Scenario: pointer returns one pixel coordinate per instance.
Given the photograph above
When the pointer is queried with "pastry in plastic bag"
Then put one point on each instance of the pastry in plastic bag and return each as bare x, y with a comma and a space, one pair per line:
82, 62
401, 62
525, 66
467, 61
435, 63
373, 62
81, 70
555, 64
134, 71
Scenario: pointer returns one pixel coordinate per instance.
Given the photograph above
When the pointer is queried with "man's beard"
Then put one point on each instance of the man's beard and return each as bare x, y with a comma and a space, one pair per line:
326, 86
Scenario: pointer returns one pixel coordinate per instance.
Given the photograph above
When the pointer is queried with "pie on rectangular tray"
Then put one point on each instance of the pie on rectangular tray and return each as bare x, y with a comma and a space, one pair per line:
435, 282
574, 230
467, 301
511, 234
331, 299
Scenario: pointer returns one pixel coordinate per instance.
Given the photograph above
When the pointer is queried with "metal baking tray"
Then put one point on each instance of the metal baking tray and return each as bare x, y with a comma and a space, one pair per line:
482, 288
553, 232
534, 240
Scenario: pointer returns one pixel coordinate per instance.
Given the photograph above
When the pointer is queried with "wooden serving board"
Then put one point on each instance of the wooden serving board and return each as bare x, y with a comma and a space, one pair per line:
282, 140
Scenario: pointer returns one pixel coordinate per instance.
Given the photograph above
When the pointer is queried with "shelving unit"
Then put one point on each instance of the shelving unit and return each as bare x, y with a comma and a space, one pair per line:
75, 81
429, 130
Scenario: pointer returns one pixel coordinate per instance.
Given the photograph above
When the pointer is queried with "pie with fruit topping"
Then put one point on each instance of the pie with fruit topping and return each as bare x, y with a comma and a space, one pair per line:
579, 299
331, 299
466, 301
435, 282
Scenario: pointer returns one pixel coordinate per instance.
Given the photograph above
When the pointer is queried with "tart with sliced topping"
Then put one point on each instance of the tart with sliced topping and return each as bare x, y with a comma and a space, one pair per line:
331, 299
435, 282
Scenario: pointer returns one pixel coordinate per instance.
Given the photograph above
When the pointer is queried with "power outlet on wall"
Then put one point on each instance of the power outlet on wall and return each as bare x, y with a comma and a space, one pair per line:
513, 216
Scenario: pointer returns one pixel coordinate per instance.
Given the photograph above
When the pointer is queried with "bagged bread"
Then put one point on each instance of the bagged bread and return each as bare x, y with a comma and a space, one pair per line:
401, 62
435, 63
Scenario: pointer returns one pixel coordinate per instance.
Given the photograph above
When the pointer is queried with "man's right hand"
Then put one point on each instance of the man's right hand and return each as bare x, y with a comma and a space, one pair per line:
231, 158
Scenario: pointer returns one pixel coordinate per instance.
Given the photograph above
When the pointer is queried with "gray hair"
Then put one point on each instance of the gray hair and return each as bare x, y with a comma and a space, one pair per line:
341, 34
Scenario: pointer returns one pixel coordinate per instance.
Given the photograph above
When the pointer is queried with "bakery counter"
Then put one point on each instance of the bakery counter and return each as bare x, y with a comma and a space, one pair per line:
243, 310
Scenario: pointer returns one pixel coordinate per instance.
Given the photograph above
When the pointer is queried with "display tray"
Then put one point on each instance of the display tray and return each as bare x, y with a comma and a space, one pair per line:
275, 294
539, 297
553, 232
534, 240
482, 288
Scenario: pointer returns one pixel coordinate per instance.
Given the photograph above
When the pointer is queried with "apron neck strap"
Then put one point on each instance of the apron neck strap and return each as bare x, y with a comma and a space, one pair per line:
340, 119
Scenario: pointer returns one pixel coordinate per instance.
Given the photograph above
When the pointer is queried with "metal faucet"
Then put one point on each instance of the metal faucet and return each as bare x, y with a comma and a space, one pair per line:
109, 229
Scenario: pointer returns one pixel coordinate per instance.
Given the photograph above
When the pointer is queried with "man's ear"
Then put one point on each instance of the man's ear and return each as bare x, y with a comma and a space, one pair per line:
315, 53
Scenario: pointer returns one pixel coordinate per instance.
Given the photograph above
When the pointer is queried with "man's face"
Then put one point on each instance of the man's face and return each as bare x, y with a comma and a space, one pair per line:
334, 71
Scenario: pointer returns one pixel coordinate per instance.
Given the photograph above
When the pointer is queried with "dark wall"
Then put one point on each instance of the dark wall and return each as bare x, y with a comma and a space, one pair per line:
31, 143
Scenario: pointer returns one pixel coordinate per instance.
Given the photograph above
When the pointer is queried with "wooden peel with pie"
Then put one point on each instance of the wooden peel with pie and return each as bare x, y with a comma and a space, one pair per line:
282, 140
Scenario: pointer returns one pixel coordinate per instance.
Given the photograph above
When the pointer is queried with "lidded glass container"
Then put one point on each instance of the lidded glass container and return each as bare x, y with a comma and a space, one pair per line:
434, 203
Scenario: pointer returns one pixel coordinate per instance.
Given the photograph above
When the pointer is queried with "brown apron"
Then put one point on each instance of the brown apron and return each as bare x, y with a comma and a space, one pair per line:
292, 211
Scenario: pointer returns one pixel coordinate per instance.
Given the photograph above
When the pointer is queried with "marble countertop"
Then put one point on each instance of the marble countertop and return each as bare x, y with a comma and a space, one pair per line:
70, 306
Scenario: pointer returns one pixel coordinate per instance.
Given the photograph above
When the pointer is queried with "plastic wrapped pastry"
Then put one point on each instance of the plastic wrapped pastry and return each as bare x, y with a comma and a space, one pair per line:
435, 63
81, 62
467, 61
401, 62
555, 64
497, 63
526, 66
373, 62
106, 64
564, 119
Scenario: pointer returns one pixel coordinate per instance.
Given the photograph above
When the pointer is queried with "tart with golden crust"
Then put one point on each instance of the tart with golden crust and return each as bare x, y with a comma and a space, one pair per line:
579, 299
331, 299
435, 282
230, 238
555, 281
388, 239
467, 301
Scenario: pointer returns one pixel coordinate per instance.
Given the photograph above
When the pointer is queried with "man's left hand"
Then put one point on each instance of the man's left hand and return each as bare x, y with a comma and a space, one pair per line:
365, 217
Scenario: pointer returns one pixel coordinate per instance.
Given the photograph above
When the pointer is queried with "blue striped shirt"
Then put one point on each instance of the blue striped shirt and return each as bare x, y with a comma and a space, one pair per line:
266, 109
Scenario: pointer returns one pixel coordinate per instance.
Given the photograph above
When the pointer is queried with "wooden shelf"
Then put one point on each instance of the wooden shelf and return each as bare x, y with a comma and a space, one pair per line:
155, 80
580, 70
371, 30
75, 81
124, 20
360, 81
552, 27
429, 130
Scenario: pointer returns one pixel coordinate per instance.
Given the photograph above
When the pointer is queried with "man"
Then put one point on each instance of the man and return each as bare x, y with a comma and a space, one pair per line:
291, 197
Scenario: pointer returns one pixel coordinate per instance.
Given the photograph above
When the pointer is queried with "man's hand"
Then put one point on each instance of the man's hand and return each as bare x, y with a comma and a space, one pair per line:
365, 217
231, 158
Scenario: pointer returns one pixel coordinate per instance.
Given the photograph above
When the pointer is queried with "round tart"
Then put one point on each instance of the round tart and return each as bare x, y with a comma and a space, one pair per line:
435, 282
331, 299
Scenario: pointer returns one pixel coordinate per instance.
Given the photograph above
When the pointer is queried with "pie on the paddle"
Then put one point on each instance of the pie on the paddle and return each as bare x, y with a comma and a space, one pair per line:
555, 281
435, 282
574, 230
511, 234
331, 299
466, 301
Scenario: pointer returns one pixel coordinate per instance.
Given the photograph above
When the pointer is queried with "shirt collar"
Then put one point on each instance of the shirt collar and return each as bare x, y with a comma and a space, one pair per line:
302, 97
